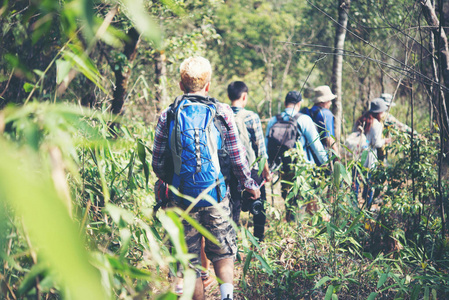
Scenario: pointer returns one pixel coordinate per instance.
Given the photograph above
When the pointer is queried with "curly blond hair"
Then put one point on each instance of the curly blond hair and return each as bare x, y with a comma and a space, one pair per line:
195, 72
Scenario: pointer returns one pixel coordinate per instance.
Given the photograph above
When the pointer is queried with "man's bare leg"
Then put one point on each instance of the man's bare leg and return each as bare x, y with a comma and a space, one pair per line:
204, 261
198, 294
224, 269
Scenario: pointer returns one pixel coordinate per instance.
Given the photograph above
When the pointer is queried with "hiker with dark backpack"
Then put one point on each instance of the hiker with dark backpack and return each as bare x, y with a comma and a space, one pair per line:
283, 131
252, 137
195, 143
322, 116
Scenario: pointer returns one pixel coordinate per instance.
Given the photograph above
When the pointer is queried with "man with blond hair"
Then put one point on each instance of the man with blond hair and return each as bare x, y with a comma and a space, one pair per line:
188, 169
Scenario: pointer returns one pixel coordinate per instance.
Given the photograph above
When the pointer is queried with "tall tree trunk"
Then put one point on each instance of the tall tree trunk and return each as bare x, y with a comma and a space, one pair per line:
442, 48
160, 69
284, 78
123, 72
442, 52
267, 55
269, 86
337, 68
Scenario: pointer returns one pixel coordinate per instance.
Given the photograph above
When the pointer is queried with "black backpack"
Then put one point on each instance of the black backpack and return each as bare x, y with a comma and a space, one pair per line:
282, 137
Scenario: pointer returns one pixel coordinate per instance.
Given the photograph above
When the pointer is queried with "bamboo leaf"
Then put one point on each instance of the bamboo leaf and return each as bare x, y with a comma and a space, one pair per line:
337, 174
83, 64
204, 232
189, 284
415, 292
175, 230
382, 280
171, 4
30, 279
120, 216
246, 265
87, 17
372, 296
322, 281
354, 223
33, 191
252, 238
122, 267
63, 68
167, 296
265, 265
329, 292
28, 87
144, 23
142, 156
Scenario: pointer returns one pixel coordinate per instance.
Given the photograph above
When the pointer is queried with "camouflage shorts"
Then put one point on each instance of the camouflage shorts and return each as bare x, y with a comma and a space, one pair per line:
216, 223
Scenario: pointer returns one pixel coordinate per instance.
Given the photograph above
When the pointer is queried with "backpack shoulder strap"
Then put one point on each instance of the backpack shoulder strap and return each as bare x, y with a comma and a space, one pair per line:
294, 121
176, 102
279, 118
171, 111
201, 99
296, 117
243, 113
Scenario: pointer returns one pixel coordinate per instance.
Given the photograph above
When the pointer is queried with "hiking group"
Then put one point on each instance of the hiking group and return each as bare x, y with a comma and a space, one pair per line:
219, 155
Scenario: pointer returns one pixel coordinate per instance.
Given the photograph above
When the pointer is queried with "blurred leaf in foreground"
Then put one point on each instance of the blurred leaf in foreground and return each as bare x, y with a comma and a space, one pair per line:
53, 234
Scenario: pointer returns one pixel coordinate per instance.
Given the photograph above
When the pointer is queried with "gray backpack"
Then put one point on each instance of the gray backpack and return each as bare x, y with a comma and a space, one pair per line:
244, 135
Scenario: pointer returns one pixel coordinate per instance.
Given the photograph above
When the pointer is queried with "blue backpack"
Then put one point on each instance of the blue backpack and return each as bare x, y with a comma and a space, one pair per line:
319, 124
196, 142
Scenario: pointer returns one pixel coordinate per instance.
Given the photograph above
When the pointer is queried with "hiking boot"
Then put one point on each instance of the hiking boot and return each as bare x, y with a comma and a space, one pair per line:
227, 298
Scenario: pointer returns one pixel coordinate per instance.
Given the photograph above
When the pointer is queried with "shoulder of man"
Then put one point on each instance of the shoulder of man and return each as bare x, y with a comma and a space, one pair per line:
305, 122
162, 120
164, 113
304, 118
326, 112
223, 107
225, 110
249, 113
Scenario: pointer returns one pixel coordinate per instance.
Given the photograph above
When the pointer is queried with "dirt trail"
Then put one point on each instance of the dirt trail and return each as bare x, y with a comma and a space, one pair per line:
213, 291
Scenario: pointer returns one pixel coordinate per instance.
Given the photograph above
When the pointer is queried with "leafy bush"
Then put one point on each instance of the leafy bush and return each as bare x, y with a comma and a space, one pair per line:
395, 250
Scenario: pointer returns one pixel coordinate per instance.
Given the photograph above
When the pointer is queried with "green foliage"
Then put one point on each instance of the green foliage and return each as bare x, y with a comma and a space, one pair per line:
395, 250
76, 201
115, 242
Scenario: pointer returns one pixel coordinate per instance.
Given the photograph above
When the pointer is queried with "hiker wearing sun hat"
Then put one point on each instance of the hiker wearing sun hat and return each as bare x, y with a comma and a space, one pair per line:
390, 120
371, 125
322, 116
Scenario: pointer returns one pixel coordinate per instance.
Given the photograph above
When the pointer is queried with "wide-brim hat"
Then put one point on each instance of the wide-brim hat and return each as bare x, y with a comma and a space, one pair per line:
323, 94
378, 105
387, 98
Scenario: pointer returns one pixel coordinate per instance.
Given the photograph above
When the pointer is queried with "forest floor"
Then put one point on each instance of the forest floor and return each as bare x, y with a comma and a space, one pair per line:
276, 201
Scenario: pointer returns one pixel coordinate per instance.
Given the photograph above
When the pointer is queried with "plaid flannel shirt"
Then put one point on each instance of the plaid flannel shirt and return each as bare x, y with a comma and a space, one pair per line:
232, 144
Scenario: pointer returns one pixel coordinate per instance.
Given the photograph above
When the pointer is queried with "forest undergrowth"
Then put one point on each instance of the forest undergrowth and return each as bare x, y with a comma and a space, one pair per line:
82, 83
103, 219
